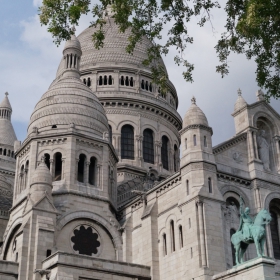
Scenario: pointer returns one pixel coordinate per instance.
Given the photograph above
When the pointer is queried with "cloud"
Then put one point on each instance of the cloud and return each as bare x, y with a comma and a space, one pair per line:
37, 3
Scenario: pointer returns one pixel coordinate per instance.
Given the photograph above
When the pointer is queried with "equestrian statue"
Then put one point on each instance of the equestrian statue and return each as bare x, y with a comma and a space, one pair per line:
251, 230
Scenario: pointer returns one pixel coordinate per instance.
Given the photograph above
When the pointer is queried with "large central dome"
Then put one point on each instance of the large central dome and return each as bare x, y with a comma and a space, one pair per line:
113, 51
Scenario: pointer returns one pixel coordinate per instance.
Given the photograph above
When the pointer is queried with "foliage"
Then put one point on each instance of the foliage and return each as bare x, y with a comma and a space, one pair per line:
252, 28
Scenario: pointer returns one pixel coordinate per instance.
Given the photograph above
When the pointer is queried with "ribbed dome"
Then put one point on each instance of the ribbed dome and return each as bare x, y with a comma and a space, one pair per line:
41, 175
69, 103
194, 115
240, 102
113, 52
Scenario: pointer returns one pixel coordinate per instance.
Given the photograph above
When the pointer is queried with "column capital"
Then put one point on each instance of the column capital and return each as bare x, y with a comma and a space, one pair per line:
199, 202
139, 137
276, 138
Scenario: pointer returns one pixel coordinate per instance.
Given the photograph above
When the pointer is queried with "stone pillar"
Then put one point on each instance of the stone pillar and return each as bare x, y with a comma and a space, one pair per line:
258, 199
139, 148
116, 80
255, 145
52, 167
251, 145
77, 166
86, 171
158, 153
199, 204
98, 179
62, 168
269, 242
25, 177
171, 159
277, 144
118, 145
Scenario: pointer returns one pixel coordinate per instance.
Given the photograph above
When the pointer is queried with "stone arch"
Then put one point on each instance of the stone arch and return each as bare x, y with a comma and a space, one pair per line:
169, 218
96, 155
132, 123
81, 151
230, 188
269, 198
114, 233
113, 125
145, 126
268, 117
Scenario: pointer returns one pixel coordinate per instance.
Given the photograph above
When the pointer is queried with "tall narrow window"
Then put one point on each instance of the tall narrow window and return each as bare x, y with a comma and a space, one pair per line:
190, 223
47, 160
81, 168
194, 140
131, 82
150, 87
100, 81
275, 235
142, 84
210, 185
91, 171
164, 244
5, 152
110, 134
105, 80
110, 80
147, 85
188, 187
181, 236
172, 234
127, 142
232, 231
1, 151
58, 166
26, 173
122, 81
175, 158
186, 143
164, 152
126, 81
148, 146
88, 82
205, 141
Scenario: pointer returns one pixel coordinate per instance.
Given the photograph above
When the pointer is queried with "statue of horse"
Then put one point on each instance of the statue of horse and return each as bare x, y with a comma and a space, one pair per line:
257, 236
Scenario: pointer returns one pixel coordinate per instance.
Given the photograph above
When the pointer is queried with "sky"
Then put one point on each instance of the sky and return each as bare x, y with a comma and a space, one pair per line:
29, 60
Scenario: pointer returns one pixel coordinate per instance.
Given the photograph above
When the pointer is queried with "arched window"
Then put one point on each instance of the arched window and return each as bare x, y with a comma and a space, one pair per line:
88, 82
47, 160
164, 244
126, 81
91, 171
1, 151
188, 187
232, 231
164, 152
147, 85
194, 140
81, 168
142, 84
275, 235
105, 80
110, 134
110, 80
26, 172
205, 141
148, 146
100, 81
122, 80
5, 152
127, 142
150, 87
210, 185
9, 153
172, 235
57, 167
131, 82
181, 236
85, 81
175, 158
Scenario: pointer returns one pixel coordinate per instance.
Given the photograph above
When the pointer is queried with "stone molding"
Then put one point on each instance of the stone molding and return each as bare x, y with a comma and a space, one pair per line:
229, 177
230, 143
270, 197
52, 141
196, 126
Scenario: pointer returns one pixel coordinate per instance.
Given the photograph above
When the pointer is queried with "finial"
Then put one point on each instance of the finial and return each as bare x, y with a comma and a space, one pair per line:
73, 29
193, 100
6, 93
260, 95
239, 92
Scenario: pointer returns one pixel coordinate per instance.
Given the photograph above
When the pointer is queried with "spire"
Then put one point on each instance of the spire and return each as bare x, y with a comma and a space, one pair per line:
72, 55
7, 133
240, 102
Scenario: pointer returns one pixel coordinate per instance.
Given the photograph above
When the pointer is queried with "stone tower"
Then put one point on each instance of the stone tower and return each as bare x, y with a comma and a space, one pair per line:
133, 104
7, 162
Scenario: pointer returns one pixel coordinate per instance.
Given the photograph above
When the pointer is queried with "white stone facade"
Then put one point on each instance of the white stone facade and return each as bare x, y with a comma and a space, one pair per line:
94, 201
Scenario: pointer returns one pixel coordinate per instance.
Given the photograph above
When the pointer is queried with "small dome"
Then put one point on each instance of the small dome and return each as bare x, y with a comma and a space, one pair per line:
240, 102
41, 175
5, 104
194, 115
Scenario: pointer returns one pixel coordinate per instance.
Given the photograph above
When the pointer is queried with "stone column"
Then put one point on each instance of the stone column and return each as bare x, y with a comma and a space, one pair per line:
116, 80
171, 159
98, 179
277, 144
25, 177
52, 167
62, 168
139, 148
77, 166
251, 145
258, 200
269, 242
255, 144
199, 204
86, 171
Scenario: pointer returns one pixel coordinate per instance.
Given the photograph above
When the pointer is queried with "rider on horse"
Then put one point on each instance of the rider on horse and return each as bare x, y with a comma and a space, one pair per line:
245, 222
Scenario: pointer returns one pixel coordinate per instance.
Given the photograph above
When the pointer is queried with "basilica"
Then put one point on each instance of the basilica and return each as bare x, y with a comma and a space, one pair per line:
100, 190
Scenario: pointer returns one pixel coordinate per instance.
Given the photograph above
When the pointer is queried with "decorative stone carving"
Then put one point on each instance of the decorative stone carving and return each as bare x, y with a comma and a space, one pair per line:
263, 148
237, 157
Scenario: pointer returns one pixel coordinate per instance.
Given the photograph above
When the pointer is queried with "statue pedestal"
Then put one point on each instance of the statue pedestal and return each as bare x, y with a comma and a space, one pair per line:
255, 269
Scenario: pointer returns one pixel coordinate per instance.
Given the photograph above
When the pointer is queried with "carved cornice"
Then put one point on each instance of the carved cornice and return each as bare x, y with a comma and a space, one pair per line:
232, 178
52, 141
230, 143
196, 126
